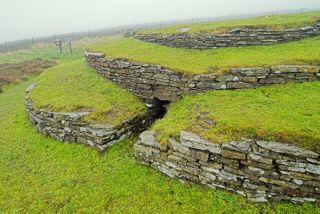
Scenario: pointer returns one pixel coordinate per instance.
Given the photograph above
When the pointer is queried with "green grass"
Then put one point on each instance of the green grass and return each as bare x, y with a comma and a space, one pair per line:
215, 60
20, 65
286, 113
49, 52
276, 22
73, 86
41, 175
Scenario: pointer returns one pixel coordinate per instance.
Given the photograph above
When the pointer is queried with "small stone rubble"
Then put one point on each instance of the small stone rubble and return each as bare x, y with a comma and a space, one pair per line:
70, 127
154, 81
234, 38
259, 170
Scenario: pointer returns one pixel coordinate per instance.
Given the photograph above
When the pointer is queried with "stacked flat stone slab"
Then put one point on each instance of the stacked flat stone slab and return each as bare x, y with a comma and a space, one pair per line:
259, 170
234, 38
153, 81
70, 127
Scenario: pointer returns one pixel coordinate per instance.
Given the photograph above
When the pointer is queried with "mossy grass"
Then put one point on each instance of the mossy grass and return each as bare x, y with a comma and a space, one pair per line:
73, 86
273, 22
41, 175
214, 60
288, 113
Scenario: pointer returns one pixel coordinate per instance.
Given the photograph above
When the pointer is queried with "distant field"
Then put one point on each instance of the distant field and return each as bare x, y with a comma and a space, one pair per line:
286, 113
73, 86
276, 22
50, 52
215, 60
13, 72
18, 65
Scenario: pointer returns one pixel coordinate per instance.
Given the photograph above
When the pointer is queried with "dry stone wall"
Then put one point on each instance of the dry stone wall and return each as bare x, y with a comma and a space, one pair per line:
151, 82
70, 127
259, 170
234, 38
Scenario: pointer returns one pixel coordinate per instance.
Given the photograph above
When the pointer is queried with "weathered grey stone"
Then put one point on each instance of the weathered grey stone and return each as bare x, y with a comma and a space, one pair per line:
148, 138
168, 171
307, 28
189, 139
258, 199
313, 168
259, 158
177, 146
95, 55
256, 170
242, 145
287, 149
297, 181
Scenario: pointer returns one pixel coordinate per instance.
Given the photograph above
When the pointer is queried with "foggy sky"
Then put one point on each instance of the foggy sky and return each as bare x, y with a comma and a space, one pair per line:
33, 18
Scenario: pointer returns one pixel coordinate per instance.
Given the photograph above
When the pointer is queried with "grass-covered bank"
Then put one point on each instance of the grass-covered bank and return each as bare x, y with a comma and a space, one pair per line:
215, 60
274, 22
74, 86
40, 175
286, 113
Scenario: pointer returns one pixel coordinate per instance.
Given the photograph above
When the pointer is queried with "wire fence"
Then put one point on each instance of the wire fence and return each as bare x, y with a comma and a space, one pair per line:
28, 42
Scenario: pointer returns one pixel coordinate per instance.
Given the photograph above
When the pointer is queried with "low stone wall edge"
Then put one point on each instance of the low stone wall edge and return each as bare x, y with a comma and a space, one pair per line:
260, 170
151, 82
234, 38
70, 127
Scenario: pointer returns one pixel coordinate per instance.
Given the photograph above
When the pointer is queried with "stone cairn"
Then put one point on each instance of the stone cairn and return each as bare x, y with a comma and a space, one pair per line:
259, 170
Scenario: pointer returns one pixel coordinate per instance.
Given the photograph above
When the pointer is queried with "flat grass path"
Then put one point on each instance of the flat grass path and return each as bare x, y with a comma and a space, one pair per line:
41, 175
214, 60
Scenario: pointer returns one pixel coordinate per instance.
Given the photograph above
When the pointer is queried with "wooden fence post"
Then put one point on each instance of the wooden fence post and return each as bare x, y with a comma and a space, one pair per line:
70, 46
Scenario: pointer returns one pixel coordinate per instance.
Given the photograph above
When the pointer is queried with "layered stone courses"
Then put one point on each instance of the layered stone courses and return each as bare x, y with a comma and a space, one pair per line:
234, 38
154, 81
70, 127
259, 170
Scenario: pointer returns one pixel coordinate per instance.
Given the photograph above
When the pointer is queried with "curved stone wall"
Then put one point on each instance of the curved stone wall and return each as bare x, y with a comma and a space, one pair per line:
234, 38
259, 170
70, 127
151, 82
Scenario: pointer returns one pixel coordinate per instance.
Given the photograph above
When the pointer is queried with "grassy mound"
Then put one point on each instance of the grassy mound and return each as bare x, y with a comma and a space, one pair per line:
38, 175
73, 86
213, 60
277, 22
286, 113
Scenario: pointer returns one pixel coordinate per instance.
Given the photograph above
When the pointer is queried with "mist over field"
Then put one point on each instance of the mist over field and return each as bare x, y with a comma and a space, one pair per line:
34, 18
